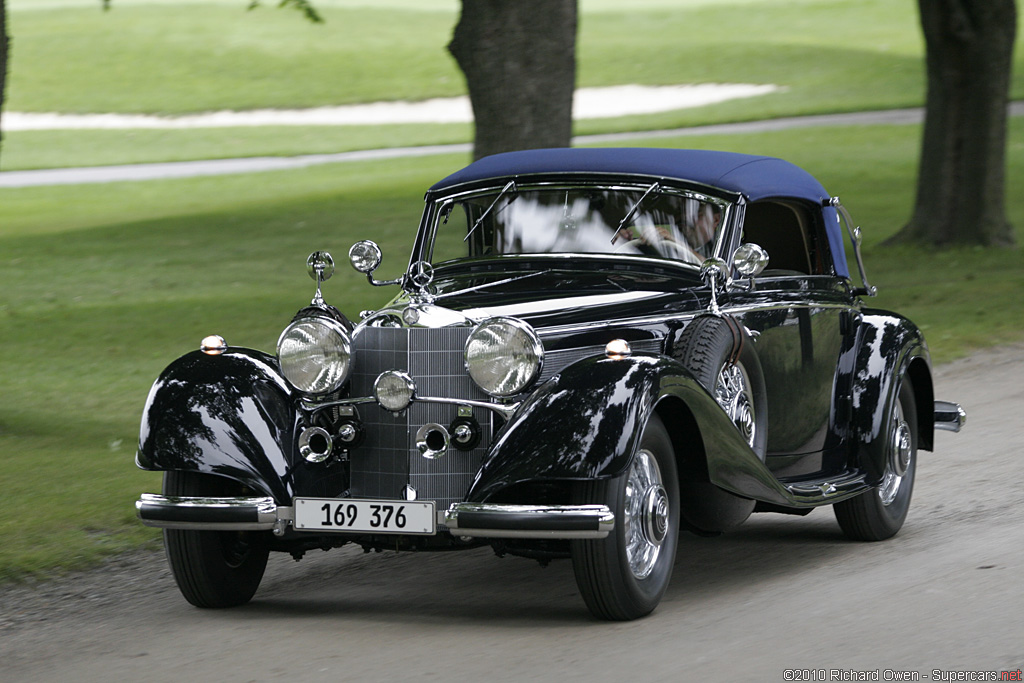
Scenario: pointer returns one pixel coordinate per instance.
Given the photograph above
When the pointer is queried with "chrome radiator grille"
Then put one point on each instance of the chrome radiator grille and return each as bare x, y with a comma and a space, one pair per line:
388, 459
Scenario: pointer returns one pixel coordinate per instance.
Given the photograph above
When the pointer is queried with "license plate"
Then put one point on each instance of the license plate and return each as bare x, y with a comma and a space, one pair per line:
365, 516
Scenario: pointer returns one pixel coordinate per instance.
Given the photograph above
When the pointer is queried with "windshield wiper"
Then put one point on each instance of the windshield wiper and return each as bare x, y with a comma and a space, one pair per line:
629, 214
493, 284
511, 186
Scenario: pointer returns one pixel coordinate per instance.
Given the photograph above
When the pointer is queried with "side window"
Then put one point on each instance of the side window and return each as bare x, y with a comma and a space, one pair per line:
790, 235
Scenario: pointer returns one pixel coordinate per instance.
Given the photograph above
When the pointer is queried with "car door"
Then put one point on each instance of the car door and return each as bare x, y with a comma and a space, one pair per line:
799, 313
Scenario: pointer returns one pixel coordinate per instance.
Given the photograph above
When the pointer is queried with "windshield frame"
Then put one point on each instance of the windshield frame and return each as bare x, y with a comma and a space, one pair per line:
433, 215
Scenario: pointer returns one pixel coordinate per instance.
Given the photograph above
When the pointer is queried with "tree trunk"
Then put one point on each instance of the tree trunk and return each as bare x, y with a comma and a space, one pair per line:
3, 60
519, 60
961, 181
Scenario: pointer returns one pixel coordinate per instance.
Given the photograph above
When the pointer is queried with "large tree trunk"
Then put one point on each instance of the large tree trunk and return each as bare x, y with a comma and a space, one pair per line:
519, 59
3, 60
961, 182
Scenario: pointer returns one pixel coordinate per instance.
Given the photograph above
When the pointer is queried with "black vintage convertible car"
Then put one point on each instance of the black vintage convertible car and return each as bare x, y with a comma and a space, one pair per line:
591, 351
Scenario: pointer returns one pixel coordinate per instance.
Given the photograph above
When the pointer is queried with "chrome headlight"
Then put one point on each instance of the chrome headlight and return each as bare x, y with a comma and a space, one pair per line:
315, 354
503, 355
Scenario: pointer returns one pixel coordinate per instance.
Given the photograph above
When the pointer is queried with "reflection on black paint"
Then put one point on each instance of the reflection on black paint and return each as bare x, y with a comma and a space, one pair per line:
228, 415
581, 424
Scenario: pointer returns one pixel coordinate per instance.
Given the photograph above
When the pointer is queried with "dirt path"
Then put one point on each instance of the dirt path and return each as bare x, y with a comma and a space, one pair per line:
781, 593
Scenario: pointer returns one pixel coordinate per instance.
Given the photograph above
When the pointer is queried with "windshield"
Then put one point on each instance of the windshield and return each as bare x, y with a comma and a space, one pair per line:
649, 221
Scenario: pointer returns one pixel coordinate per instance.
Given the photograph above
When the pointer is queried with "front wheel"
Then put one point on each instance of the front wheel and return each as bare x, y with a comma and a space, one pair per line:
624, 575
879, 513
213, 568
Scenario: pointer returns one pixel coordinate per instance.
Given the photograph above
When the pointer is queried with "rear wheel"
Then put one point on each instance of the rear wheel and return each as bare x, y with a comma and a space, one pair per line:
624, 575
879, 513
213, 568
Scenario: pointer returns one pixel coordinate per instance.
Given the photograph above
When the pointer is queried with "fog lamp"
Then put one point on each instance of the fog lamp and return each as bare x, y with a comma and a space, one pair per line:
394, 390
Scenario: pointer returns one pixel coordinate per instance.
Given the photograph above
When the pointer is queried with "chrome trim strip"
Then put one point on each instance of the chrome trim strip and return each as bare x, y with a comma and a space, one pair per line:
827, 491
227, 514
654, 320
949, 416
503, 409
317, 407
572, 256
531, 521
856, 238
638, 184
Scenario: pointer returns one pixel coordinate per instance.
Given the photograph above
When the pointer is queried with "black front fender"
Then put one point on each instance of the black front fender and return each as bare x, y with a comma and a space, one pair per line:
230, 414
581, 424
585, 424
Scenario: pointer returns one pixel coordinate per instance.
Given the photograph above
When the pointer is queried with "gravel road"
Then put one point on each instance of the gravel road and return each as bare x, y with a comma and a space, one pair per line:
782, 593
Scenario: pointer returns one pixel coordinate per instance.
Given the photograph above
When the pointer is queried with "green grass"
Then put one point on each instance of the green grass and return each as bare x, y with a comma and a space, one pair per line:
105, 284
26, 150
174, 58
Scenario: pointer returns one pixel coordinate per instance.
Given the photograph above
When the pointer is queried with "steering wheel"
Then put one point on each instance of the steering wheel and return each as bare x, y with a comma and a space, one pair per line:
683, 250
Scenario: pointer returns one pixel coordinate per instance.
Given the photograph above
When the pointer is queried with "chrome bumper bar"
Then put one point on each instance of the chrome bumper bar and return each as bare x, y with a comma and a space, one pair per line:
949, 416
224, 514
478, 520
487, 520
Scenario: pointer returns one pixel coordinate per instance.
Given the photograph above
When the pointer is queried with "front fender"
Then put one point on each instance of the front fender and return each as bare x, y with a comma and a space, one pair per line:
890, 349
230, 414
585, 424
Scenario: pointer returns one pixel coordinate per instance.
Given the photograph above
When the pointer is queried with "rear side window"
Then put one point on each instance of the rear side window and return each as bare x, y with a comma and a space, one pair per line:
793, 235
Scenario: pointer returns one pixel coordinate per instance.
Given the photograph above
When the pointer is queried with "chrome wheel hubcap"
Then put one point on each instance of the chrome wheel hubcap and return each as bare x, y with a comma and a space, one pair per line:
732, 391
901, 452
646, 514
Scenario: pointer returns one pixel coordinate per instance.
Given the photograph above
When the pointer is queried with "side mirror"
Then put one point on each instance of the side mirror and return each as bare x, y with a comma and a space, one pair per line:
750, 260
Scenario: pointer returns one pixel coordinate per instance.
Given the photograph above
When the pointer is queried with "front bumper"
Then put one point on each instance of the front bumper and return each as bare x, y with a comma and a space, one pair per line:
213, 514
488, 520
476, 520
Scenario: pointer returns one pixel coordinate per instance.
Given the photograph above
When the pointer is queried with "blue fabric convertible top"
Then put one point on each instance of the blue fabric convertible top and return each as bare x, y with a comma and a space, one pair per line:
754, 177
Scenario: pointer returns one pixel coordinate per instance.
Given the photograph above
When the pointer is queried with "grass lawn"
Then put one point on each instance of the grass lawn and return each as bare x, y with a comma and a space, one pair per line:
153, 56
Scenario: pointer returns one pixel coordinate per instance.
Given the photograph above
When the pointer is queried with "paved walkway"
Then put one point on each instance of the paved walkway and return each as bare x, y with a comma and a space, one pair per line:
188, 169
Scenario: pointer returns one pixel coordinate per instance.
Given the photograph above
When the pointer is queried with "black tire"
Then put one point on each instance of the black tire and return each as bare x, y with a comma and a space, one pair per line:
879, 514
213, 568
717, 348
613, 587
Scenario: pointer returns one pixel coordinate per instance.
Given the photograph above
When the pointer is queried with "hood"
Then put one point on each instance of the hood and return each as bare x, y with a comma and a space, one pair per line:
545, 295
